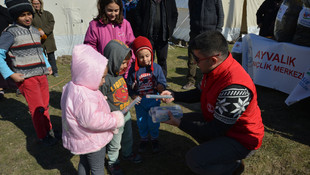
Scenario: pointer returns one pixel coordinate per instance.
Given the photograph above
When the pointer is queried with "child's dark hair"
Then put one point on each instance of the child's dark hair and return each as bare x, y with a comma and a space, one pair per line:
101, 11
210, 42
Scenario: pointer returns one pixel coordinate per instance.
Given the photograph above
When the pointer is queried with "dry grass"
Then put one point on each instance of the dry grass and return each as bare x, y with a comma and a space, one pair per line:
285, 149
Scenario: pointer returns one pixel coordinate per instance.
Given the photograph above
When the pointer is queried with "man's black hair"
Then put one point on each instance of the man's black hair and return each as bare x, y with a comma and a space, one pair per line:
210, 43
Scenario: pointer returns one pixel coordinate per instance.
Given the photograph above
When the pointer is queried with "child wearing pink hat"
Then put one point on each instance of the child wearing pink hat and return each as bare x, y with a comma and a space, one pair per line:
145, 77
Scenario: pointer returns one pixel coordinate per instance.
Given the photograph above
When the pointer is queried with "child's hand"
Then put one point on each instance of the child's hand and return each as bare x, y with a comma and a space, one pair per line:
50, 71
167, 100
41, 32
160, 88
115, 131
119, 118
18, 77
134, 97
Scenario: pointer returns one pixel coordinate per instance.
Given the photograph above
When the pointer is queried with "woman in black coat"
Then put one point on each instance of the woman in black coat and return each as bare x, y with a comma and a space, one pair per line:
266, 16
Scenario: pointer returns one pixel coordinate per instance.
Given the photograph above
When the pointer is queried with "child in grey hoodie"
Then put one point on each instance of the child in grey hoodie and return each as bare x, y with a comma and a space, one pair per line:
115, 88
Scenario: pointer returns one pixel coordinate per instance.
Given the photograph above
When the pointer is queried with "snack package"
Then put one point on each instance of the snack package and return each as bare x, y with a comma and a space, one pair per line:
44, 37
132, 104
160, 113
302, 34
286, 21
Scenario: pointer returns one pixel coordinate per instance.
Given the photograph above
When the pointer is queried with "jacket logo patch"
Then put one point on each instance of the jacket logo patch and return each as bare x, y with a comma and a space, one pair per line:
121, 34
210, 108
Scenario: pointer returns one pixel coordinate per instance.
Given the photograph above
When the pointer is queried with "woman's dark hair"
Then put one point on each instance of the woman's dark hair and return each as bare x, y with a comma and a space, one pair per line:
209, 43
101, 11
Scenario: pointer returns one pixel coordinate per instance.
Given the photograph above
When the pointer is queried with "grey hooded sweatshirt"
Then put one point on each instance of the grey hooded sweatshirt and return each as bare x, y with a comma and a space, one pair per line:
115, 87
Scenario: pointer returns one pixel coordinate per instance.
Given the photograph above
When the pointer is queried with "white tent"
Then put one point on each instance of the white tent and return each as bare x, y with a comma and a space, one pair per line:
240, 17
71, 21
72, 18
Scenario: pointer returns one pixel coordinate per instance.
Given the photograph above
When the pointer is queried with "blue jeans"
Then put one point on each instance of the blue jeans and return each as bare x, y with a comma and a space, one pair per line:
92, 163
144, 120
219, 156
123, 139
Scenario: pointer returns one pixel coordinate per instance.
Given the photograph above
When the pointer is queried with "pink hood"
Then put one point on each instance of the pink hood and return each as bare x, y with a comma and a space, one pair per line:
85, 71
87, 121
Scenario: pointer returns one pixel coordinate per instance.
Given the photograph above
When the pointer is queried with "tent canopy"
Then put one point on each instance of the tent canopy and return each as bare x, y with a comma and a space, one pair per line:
239, 14
72, 19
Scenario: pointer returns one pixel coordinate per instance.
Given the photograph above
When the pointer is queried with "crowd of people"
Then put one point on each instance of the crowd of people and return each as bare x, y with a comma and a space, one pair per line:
115, 64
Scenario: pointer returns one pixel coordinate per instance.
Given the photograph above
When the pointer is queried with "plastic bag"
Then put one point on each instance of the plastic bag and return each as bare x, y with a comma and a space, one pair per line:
286, 21
302, 34
160, 113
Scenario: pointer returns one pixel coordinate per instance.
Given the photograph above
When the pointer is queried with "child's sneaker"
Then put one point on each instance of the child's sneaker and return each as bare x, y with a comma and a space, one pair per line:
115, 169
142, 146
155, 146
135, 158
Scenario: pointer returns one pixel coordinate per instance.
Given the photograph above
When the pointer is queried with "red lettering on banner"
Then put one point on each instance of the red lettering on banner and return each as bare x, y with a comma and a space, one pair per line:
261, 65
263, 54
269, 57
275, 57
283, 61
257, 55
291, 62
289, 72
280, 69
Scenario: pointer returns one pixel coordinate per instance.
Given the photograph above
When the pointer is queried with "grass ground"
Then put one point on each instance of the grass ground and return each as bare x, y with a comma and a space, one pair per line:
285, 149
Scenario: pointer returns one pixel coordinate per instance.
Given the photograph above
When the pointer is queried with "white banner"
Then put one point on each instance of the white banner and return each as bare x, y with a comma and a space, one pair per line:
301, 91
280, 66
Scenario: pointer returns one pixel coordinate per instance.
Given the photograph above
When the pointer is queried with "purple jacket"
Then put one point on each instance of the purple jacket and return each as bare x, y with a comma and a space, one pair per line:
98, 35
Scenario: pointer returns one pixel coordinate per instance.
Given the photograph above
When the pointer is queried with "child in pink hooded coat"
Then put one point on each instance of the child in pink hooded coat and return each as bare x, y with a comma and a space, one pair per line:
87, 121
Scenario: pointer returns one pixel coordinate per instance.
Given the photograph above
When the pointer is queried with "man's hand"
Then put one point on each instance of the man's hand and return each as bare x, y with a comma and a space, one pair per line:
18, 77
50, 70
173, 121
167, 100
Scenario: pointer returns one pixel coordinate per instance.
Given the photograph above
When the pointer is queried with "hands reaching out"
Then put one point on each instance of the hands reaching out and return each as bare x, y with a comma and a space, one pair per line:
173, 121
167, 100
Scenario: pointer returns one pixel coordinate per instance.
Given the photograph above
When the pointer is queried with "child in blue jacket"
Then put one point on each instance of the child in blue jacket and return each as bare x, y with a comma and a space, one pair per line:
145, 77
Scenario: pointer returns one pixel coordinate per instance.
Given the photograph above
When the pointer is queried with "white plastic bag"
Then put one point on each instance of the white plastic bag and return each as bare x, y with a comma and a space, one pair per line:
160, 113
